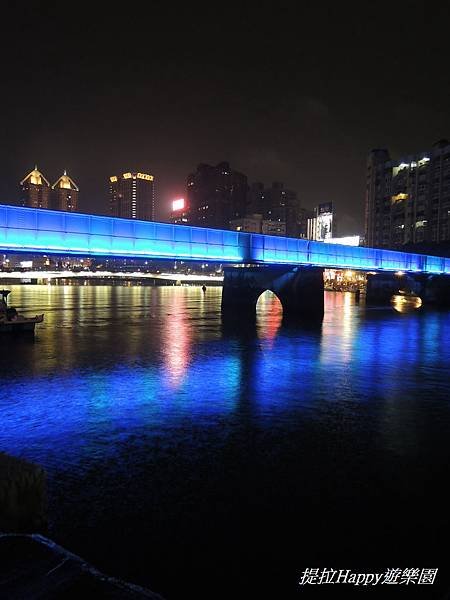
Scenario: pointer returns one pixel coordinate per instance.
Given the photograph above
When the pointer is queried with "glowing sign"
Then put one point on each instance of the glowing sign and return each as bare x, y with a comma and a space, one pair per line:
349, 240
113, 179
178, 204
399, 197
138, 176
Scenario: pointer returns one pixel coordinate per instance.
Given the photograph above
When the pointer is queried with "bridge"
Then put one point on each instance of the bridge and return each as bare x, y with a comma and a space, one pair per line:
293, 267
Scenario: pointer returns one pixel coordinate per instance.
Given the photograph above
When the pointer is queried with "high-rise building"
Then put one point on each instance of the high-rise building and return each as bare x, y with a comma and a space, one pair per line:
256, 198
321, 226
277, 204
65, 194
216, 195
132, 196
408, 200
35, 190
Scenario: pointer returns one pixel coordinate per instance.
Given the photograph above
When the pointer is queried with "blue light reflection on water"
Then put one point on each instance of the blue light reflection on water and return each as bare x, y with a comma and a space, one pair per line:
87, 384
137, 401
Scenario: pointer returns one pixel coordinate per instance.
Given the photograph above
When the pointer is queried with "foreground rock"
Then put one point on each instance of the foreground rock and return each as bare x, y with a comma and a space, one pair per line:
23, 495
34, 567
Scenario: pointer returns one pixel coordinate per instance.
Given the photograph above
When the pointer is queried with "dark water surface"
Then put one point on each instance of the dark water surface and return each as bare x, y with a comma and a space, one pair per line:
204, 461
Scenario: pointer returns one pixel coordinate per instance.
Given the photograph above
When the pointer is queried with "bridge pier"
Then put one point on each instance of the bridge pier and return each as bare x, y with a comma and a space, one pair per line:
436, 290
299, 289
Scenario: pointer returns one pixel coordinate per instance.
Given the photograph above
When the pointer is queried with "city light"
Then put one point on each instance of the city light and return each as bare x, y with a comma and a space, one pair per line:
178, 204
349, 240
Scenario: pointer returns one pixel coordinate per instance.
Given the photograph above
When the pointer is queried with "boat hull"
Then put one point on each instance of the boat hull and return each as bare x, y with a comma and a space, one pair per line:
20, 326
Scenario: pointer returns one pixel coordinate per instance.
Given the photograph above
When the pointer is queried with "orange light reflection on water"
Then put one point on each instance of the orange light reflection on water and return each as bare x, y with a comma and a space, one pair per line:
177, 341
269, 314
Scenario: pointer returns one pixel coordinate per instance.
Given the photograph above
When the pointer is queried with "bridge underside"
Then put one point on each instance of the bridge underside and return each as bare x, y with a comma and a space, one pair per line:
299, 289
434, 290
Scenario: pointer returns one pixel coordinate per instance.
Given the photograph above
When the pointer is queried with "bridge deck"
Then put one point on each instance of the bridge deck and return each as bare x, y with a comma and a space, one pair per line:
47, 231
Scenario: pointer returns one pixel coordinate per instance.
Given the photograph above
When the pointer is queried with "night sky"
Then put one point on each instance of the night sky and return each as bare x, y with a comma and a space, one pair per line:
297, 93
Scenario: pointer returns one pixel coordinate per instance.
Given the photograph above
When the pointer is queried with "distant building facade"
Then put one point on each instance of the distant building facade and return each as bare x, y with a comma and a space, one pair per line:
322, 226
256, 224
408, 200
269, 227
276, 204
216, 195
302, 222
35, 190
132, 196
248, 224
65, 194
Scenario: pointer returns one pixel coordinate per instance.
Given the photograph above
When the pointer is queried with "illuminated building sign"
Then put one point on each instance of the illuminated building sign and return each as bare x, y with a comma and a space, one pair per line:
324, 226
399, 197
178, 204
138, 176
113, 179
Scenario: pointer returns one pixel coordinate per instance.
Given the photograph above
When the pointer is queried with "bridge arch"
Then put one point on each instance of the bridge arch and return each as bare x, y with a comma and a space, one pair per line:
299, 289
268, 299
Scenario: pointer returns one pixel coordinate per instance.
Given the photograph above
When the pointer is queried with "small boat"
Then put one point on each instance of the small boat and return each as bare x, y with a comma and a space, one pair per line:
13, 322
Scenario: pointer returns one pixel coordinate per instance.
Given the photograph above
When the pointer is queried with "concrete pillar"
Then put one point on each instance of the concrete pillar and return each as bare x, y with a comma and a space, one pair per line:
436, 290
301, 293
300, 290
242, 287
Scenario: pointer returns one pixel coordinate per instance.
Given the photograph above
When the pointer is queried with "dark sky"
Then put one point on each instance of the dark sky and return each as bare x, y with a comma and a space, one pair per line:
297, 92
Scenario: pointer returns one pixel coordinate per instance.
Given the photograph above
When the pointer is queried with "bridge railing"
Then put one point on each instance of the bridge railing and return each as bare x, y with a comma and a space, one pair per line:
25, 229
297, 251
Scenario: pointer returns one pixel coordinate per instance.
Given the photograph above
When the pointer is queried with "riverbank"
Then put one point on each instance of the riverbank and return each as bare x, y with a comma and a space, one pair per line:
35, 567
32, 565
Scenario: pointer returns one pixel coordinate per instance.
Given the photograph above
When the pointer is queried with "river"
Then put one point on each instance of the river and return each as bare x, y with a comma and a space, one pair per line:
205, 461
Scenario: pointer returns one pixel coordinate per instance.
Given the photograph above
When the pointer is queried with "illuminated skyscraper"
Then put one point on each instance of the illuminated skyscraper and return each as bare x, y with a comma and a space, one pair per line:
132, 196
408, 200
65, 194
35, 190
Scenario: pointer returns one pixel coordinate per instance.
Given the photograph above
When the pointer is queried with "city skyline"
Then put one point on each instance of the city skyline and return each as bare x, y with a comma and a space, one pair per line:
306, 111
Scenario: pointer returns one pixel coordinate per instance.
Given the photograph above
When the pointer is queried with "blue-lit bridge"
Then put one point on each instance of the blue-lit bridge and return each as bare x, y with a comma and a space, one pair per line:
46, 231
